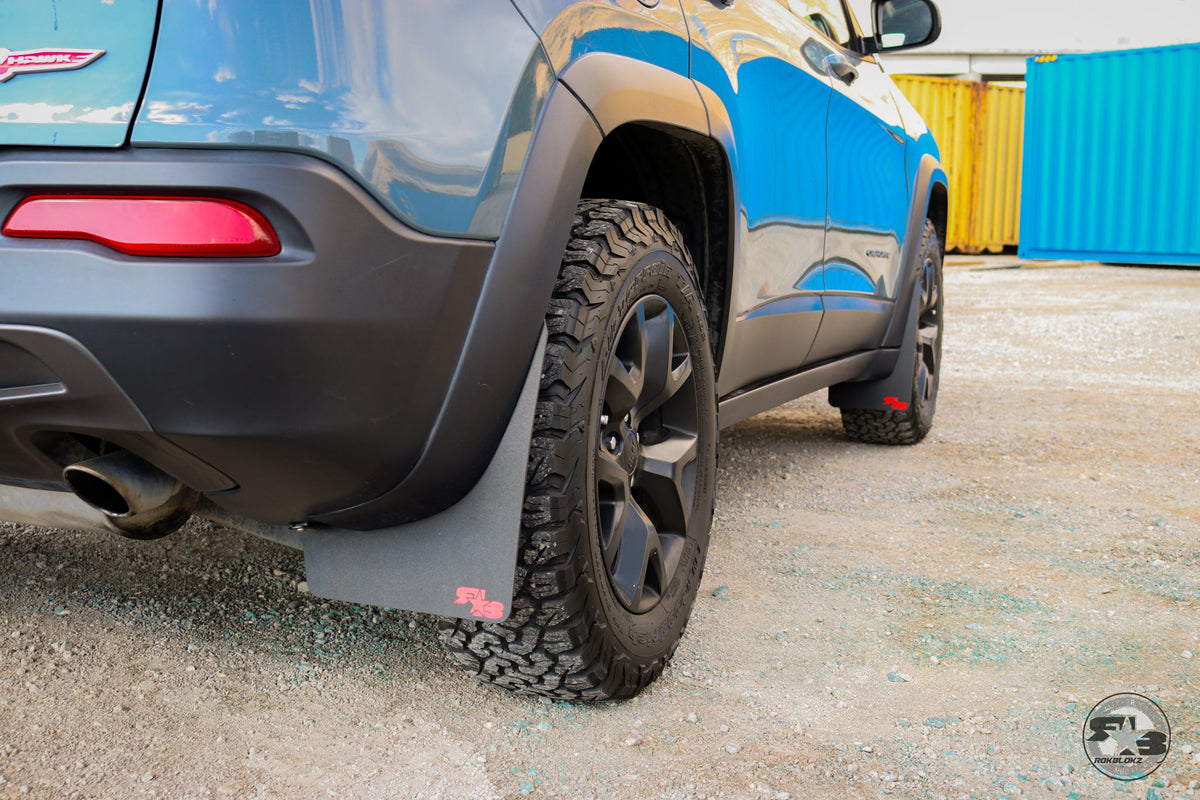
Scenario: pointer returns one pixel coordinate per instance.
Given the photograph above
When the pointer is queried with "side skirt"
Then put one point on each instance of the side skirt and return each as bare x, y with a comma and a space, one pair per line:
747, 404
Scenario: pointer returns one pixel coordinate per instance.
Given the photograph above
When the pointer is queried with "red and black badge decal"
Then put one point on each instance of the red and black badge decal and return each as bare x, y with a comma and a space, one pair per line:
480, 605
15, 62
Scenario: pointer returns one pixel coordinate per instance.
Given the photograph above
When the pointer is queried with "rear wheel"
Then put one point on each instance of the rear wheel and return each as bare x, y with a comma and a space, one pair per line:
621, 473
909, 424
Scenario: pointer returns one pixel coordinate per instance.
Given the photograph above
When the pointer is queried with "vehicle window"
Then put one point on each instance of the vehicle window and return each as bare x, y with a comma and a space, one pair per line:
824, 15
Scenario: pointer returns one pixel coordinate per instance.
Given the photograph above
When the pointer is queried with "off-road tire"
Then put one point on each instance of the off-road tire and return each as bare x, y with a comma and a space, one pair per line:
579, 628
911, 424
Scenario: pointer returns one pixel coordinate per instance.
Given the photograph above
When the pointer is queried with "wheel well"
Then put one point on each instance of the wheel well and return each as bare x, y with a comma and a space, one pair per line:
939, 211
688, 177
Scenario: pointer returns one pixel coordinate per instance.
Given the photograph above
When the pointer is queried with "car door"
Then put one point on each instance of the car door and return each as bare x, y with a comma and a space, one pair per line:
760, 60
867, 204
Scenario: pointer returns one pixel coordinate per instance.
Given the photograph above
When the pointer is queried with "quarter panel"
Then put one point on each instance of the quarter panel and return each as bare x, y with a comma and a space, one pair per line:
429, 105
87, 107
572, 28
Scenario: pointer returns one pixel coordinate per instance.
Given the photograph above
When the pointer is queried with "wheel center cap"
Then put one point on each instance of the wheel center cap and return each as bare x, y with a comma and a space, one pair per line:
631, 452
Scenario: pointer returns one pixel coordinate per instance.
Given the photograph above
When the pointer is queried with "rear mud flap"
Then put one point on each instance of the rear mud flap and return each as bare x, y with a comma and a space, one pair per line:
459, 563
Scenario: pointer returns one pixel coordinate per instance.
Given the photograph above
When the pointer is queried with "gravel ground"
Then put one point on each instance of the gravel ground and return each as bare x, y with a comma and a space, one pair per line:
921, 622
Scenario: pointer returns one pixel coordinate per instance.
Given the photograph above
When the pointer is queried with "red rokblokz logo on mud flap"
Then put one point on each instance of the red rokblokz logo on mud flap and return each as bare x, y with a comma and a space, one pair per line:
14, 62
480, 605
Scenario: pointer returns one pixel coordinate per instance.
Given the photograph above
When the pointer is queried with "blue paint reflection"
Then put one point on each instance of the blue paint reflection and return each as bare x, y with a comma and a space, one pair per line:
417, 98
847, 278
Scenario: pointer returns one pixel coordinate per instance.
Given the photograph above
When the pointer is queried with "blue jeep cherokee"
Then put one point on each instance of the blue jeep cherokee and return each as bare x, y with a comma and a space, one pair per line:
447, 292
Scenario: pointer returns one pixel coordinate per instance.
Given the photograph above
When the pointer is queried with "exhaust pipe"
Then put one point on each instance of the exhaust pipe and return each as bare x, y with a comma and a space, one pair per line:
138, 499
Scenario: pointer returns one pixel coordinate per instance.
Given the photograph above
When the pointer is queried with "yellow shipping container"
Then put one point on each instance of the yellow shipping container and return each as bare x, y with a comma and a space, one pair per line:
978, 127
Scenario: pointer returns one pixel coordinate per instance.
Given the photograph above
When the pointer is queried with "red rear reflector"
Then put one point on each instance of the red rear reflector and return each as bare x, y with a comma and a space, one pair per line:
191, 227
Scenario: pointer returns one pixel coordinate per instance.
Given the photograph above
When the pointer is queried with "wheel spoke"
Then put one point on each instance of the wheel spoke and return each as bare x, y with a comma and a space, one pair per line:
930, 291
622, 389
929, 335
614, 498
666, 478
658, 326
668, 364
626, 381
680, 372
923, 380
609, 470
929, 354
638, 557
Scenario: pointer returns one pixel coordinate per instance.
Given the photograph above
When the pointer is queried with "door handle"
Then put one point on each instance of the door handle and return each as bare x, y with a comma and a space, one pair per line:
838, 66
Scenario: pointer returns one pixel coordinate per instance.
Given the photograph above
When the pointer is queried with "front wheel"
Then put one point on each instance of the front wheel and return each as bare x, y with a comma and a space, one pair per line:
621, 473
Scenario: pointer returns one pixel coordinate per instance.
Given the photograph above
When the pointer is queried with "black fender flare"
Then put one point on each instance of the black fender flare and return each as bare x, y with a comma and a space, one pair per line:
595, 94
929, 175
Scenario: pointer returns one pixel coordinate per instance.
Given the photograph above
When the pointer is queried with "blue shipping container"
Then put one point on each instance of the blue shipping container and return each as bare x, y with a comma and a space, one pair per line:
1112, 157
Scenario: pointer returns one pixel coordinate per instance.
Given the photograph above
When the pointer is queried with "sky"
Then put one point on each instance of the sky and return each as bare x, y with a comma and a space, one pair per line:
1058, 26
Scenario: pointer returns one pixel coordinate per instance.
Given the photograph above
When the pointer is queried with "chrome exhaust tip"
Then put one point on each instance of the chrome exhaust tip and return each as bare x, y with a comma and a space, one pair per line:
138, 499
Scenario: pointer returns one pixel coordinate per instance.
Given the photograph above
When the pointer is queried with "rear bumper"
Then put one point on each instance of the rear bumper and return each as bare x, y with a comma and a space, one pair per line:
297, 388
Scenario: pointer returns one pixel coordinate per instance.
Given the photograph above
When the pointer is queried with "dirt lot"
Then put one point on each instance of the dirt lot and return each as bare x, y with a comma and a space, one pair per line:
922, 622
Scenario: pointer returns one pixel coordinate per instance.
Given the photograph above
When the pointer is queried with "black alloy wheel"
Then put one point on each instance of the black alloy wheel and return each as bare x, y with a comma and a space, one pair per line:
646, 453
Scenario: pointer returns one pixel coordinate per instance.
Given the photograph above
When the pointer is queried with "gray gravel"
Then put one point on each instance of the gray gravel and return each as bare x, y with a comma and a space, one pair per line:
921, 622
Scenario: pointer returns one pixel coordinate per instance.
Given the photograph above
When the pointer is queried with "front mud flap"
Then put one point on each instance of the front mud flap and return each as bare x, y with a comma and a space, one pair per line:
459, 563
893, 392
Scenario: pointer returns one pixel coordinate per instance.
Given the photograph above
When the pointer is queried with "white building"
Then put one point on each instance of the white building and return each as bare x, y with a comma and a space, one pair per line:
992, 38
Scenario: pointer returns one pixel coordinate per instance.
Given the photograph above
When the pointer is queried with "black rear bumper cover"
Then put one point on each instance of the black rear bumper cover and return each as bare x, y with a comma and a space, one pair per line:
289, 388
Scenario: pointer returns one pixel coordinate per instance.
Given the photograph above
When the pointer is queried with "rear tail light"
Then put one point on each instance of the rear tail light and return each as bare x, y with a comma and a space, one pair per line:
169, 227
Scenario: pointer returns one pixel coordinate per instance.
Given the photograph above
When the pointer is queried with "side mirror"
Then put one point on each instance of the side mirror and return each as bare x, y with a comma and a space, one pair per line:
903, 24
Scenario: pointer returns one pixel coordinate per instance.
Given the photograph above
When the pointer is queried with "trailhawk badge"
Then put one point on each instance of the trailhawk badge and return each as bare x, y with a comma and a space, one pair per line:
14, 62
1126, 736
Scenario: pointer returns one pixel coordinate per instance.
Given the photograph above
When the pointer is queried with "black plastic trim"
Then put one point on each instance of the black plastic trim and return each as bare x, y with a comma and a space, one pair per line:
918, 212
618, 89
745, 405
874, 43
85, 400
720, 128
